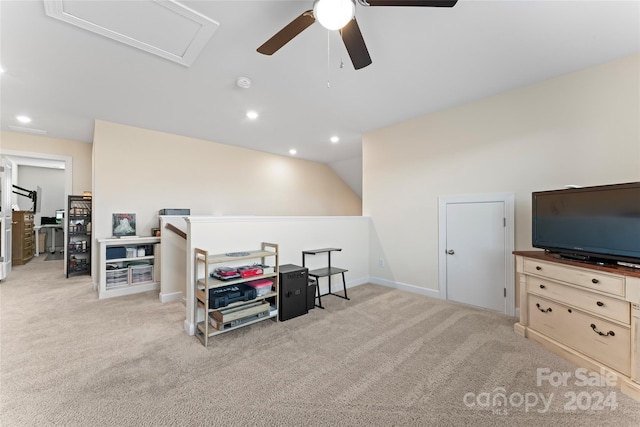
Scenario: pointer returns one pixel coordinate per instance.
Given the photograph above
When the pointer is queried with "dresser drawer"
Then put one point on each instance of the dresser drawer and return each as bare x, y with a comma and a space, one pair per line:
604, 341
582, 277
588, 301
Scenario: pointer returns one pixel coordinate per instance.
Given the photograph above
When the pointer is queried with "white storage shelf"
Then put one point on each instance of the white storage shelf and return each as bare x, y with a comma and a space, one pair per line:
132, 279
204, 330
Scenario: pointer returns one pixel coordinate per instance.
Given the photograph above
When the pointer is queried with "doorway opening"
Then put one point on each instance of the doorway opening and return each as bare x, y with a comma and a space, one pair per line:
54, 175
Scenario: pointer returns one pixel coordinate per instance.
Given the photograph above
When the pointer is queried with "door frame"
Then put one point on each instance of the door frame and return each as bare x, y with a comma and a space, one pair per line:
16, 158
6, 218
509, 206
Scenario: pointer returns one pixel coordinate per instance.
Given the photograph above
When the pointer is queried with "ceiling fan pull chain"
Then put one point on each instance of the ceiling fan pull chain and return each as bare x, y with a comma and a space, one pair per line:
328, 63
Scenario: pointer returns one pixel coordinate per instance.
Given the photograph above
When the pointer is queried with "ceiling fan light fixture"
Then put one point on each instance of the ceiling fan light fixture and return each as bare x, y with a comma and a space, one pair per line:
333, 14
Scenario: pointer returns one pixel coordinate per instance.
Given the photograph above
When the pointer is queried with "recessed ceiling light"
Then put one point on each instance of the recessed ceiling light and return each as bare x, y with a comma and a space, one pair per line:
252, 115
1, 70
23, 119
335, 139
292, 152
243, 82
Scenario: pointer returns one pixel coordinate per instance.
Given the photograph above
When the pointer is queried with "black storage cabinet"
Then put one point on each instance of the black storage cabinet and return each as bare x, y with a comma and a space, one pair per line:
311, 293
292, 295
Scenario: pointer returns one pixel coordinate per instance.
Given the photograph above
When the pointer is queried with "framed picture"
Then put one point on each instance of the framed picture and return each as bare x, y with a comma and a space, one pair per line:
124, 224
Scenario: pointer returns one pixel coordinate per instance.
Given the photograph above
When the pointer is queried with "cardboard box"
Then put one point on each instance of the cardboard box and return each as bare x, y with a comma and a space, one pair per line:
42, 240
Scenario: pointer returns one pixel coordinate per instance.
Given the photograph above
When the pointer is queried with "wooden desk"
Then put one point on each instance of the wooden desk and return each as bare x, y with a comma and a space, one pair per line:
327, 271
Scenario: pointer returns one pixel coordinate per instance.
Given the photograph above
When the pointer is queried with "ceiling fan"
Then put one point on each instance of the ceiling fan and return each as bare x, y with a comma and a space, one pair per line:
340, 15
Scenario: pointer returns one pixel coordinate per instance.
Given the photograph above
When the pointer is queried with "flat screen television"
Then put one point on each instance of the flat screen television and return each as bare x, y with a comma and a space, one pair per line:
598, 224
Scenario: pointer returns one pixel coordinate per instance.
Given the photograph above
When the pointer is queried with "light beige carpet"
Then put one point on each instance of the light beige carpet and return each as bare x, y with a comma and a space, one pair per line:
385, 358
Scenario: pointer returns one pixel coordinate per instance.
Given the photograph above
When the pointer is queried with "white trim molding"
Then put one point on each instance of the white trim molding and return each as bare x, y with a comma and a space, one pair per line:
406, 287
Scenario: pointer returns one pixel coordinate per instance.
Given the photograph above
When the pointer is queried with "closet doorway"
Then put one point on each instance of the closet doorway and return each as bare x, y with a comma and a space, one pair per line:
476, 241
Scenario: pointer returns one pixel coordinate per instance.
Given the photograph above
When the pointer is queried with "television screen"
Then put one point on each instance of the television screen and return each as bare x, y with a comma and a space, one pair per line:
594, 222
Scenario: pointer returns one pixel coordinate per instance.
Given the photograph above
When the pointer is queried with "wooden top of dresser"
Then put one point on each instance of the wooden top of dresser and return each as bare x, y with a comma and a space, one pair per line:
614, 269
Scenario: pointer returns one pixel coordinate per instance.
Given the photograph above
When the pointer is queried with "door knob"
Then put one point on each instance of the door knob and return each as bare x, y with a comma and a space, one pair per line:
451, 252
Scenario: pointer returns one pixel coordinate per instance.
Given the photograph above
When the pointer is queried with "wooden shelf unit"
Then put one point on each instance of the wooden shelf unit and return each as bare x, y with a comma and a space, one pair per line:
204, 283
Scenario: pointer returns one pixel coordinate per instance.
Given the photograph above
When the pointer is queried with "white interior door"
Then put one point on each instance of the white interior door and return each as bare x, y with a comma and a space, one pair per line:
5, 217
476, 261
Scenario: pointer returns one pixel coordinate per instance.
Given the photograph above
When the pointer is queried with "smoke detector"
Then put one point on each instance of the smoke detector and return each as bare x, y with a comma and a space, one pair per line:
243, 82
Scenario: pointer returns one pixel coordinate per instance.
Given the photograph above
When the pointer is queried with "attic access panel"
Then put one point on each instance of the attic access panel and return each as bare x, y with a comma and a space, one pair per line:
163, 27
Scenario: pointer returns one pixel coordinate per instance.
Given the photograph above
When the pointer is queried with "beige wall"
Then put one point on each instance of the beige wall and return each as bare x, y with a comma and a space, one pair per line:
581, 128
80, 153
143, 171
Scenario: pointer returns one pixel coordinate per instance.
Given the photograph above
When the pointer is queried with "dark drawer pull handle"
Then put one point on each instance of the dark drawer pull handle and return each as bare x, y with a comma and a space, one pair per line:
548, 310
542, 286
610, 333
538, 268
596, 281
600, 303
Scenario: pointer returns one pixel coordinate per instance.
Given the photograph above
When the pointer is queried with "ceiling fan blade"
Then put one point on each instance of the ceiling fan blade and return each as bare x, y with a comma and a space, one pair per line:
423, 3
286, 34
354, 42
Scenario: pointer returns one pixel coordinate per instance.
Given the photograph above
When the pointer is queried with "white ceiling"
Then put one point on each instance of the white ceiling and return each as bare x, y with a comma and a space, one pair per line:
424, 60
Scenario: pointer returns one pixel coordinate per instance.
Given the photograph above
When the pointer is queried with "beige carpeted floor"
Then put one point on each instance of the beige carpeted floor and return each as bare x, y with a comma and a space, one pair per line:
385, 358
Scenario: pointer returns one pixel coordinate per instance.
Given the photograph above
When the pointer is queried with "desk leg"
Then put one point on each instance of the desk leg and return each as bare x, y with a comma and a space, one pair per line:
37, 245
344, 286
319, 305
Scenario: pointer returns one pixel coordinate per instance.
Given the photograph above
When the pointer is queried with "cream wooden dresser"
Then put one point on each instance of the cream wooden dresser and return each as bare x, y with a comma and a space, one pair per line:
588, 314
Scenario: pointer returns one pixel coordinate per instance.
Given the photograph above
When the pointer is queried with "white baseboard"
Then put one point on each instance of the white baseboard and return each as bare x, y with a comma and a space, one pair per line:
336, 284
189, 328
518, 313
170, 297
405, 287
128, 290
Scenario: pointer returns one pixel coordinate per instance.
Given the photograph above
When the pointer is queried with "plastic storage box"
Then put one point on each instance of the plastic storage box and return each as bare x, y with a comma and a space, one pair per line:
118, 277
141, 274
116, 252
262, 286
